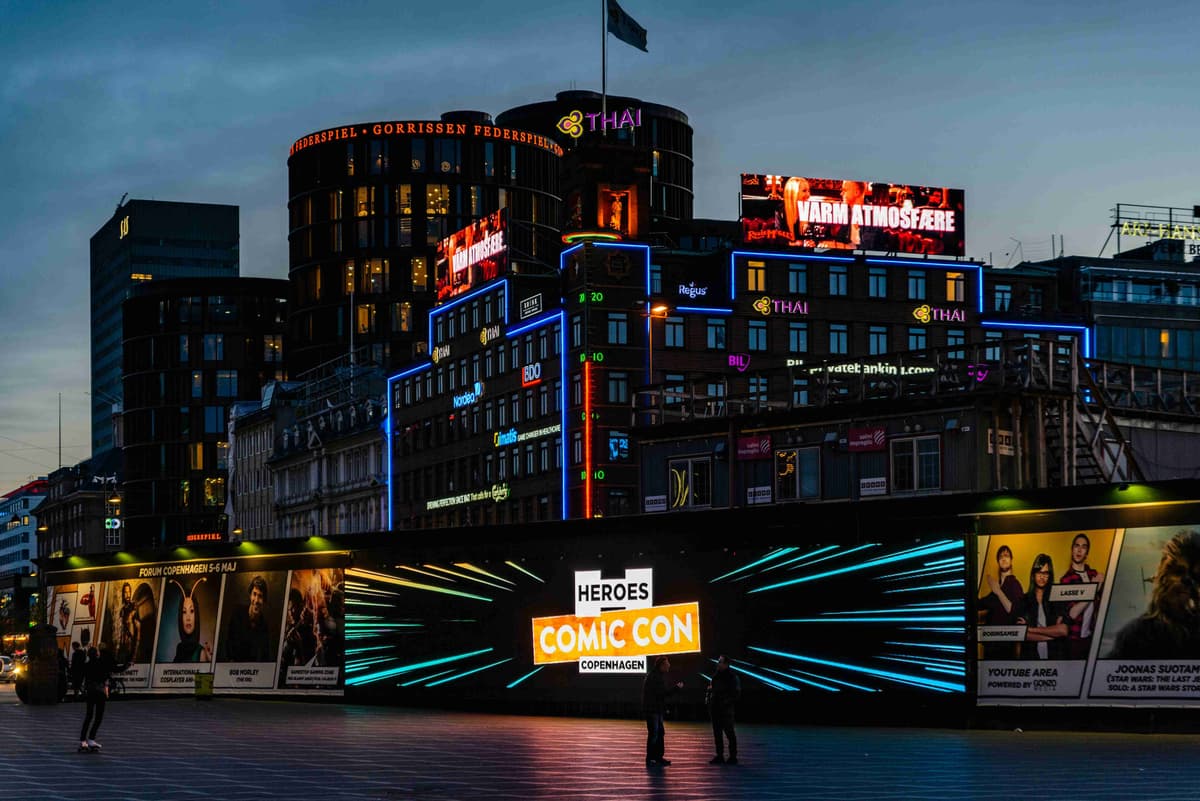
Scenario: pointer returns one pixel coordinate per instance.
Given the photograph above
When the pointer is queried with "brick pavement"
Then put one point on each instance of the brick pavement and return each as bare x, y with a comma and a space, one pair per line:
182, 748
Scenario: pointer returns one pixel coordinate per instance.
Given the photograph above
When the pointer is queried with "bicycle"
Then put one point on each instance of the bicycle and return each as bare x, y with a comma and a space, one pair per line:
116, 686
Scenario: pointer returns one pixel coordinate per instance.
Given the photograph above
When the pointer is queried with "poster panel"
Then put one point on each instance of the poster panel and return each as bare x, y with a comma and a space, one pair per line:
251, 618
313, 647
837, 214
1040, 598
187, 631
1150, 645
130, 624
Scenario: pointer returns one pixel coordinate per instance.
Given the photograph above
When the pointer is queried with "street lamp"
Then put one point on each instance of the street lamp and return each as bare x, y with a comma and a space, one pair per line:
657, 310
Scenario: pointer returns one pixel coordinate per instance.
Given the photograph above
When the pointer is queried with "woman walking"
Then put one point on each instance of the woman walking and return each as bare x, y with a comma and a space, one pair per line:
96, 673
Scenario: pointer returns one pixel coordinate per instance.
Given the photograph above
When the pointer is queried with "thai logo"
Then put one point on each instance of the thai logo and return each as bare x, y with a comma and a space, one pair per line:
572, 124
923, 313
763, 306
692, 291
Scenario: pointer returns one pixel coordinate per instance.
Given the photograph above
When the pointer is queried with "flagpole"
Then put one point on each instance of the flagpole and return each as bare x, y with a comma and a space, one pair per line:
603, 63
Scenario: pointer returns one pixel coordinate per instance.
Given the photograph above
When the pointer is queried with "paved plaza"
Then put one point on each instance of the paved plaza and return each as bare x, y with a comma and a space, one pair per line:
226, 748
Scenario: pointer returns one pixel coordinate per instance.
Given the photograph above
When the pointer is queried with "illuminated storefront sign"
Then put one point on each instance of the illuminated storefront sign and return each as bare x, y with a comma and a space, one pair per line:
425, 129
740, 361
489, 334
837, 214
615, 619
879, 368
692, 291
531, 374
512, 437
124, 227
753, 448
936, 314
496, 493
767, 306
469, 397
575, 123
440, 352
1160, 230
531, 305
205, 536
866, 439
112, 523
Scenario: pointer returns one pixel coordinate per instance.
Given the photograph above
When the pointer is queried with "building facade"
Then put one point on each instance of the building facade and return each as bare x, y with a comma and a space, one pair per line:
18, 528
192, 348
147, 240
368, 204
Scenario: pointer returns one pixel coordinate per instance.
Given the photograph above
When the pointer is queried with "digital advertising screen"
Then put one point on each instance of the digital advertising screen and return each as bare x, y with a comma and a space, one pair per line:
255, 626
472, 256
1092, 617
844, 622
837, 214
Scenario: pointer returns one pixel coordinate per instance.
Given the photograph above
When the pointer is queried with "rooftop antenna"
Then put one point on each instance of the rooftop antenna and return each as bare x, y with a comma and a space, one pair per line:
122, 201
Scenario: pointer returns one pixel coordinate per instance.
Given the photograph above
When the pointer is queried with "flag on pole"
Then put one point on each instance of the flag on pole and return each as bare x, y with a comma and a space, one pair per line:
625, 27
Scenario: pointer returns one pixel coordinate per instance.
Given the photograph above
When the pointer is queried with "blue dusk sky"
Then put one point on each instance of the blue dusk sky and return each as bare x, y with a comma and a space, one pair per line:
1046, 113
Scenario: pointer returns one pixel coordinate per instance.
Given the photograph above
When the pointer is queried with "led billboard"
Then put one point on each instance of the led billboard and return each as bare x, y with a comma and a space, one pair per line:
836, 214
472, 256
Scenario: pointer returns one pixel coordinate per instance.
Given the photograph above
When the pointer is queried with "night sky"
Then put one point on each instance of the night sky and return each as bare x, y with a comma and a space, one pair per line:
1047, 114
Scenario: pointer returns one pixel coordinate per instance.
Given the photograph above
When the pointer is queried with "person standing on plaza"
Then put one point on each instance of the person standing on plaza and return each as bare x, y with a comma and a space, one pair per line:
723, 693
655, 690
75, 670
96, 674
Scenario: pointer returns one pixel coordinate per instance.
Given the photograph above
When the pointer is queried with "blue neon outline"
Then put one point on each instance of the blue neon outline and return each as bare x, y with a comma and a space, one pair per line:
703, 310
449, 306
772, 555
934, 684
839, 681
510, 685
387, 674
913, 553
1087, 334
467, 673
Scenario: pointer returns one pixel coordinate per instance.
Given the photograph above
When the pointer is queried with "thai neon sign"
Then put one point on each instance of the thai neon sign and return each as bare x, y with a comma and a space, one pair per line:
937, 314
768, 306
574, 124
615, 619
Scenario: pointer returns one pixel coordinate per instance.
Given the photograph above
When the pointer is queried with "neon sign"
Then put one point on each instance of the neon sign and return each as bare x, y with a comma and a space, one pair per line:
573, 124
741, 361
469, 397
425, 129
936, 314
766, 306
489, 334
511, 437
124, 227
531, 374
615, 625
692, 291
879, 368
496, 493
441, 352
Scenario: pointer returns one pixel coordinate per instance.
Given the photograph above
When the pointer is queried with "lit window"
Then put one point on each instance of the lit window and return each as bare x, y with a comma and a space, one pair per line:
956, 287
756, 276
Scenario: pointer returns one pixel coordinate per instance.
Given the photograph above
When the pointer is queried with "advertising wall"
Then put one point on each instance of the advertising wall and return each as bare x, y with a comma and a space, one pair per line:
836, 214
257, 624
1103, 617
472, 256
574, 624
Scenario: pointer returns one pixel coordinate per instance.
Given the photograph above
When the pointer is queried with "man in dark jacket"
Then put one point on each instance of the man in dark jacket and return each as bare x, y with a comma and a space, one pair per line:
723, 694
75, 670
654, 705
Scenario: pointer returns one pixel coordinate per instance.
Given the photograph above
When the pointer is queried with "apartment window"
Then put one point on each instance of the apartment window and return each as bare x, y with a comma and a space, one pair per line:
916, 339
956, 287
916, 464
402, 316
364, 201
195, 455
214, 492
1037, 297
798, 279
214, 347
993, 338
1002, 297
222, 455
691, 482
758, 388
756, 336
655, 279
877, 340
839, 339
797, 474
877, 282
364, 318
214, 420
197, 384
672, 332
756, 276
799, 391
618, 328
618, 387
837, 279
916, 285
183, 348
420, 276
956, 337
715, 327
798, 337
272, 348
227, 384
